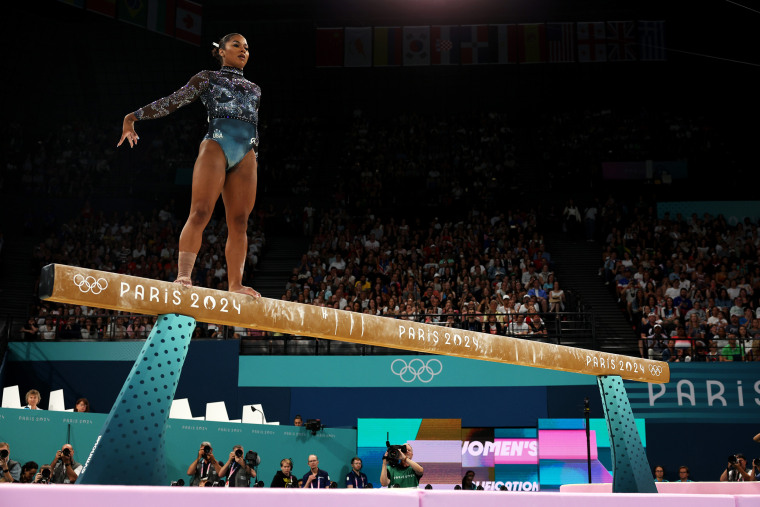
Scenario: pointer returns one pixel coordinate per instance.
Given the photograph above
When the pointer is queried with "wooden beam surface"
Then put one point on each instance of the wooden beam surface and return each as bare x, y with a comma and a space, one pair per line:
113, 291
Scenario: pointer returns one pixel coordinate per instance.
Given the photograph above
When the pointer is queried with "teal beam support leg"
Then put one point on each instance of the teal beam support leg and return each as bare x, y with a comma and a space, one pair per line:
130, 447
631, 472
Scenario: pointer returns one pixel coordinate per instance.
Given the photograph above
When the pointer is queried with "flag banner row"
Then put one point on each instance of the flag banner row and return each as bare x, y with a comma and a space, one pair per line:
395, 46
180, 19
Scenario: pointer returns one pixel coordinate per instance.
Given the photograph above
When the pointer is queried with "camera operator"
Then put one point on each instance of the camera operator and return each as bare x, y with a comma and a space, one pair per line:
43, 476
64, 469
205, 468
356, 478
315, 478
736, 470
237, 470
284, 478
10, 470
403, 473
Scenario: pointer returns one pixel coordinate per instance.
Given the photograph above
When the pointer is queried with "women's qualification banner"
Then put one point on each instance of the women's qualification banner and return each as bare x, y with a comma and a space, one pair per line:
73, 285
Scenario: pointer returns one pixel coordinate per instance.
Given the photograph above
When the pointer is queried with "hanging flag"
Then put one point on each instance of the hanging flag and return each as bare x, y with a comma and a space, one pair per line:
161, 16
651, 40
329, 47
104, 7
444, 45
502, 43
416, 45
473, 44
532, 37
621, 41
387, 46
187, 26
560, 37
358, 47
592, 42
134, 12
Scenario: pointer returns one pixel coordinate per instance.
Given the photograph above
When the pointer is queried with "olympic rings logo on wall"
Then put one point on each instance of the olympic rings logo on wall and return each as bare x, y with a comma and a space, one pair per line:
417, 369
655, 369
90, 283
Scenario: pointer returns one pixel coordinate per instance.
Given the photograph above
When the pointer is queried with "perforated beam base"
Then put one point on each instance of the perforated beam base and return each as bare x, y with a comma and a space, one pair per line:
130, 447
631, 472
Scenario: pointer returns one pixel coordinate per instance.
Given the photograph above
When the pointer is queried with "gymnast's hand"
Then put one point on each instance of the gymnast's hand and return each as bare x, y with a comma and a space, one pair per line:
128, 131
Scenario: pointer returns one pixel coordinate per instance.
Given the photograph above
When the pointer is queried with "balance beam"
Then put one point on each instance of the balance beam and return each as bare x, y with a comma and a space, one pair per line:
113, 291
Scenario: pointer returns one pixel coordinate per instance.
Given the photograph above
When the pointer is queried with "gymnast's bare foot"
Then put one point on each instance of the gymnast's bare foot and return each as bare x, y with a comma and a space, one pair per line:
246, 290
184, 280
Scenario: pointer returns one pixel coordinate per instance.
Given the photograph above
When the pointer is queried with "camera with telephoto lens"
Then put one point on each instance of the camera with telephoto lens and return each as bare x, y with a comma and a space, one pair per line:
239, 453
3, 453
206, 450
732, 460
394, 452
66, 452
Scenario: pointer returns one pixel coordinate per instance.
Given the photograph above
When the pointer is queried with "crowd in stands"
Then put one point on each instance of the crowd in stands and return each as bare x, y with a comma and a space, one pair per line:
691, 285
131, 244
485, 273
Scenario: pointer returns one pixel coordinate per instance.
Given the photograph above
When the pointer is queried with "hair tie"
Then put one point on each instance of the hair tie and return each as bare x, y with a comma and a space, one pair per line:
215, 44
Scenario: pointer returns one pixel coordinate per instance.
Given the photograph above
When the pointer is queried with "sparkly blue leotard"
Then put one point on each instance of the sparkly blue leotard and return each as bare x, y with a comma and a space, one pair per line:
232, 103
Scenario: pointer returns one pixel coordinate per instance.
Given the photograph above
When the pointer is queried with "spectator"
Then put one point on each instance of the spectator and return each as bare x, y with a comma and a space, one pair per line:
82, 405
683, 474
30, 331
733, 351
32, 400
659, 474
356, 478
315, 478
284, 478
48, 329
467, 484
28, 471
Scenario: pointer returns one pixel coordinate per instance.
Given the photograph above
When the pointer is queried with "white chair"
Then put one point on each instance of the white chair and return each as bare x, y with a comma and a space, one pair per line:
11, 397
217, 411
56, 401
254, 414
180, 409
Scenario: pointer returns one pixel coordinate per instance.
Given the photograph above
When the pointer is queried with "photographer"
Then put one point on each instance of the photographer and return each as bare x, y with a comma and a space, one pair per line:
205, 468
64, 469
399, 470
43, 476
736, 470
356, 478
10, 470
284, 477
238, 471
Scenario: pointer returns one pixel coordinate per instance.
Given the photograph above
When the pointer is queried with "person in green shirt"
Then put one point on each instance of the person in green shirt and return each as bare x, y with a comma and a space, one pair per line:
732, 351
406, 473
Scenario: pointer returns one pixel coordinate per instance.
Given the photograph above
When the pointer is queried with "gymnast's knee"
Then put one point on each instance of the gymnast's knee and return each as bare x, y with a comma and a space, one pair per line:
237, 222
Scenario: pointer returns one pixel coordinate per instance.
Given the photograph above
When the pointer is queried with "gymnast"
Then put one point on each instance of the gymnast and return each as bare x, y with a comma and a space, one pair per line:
226, 162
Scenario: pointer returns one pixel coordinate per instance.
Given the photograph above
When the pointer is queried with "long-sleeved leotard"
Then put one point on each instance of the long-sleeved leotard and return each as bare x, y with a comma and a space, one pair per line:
232, 103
